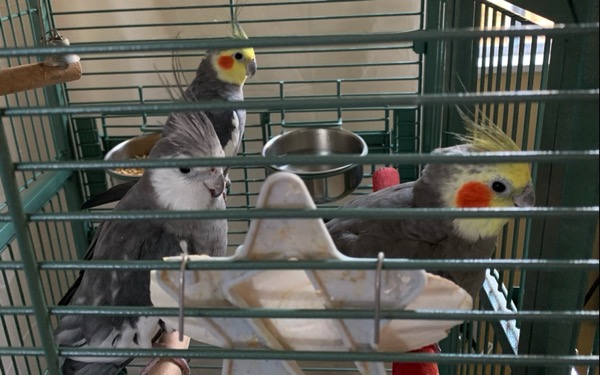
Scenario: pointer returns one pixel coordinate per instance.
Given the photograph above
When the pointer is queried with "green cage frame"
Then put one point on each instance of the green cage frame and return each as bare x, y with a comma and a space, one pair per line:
42, 230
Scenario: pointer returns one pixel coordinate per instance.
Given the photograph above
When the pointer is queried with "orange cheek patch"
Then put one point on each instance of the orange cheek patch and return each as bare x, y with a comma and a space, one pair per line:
473, 194
225, 62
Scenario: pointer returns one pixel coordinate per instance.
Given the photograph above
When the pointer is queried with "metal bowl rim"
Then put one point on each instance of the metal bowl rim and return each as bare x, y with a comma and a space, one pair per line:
317, 174
112, 171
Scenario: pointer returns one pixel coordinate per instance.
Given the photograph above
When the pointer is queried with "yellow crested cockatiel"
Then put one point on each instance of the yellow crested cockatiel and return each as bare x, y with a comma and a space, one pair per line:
440, 185
443, 185
220, 76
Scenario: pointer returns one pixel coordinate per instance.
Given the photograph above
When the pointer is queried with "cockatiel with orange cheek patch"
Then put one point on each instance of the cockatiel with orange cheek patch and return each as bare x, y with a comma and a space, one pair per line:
443, 185
220, 76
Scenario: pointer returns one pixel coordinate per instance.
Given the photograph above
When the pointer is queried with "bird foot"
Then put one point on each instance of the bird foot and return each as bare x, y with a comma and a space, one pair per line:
227, 186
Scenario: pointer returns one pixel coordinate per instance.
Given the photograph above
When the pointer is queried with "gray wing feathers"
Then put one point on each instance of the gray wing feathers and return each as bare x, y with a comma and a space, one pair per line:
126, 240
111, 195
71, 367
206, 86
409, 238
136, 241
229, 126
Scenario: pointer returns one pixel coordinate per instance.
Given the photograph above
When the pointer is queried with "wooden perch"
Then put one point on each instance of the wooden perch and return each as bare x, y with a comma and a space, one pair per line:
33, 76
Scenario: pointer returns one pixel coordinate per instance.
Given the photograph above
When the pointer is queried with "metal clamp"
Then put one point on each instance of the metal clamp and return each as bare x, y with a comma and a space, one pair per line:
53, 38
56, 40
377, 317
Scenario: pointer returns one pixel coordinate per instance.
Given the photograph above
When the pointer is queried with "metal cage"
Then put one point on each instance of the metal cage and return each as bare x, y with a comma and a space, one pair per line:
392, 72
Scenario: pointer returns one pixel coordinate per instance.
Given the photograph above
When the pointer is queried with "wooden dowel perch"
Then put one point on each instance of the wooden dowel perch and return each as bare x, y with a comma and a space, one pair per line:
33, 76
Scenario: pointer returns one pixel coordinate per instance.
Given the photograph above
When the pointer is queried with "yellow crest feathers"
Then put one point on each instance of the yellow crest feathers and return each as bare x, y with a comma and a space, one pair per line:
237, 32
484, 135
236, 29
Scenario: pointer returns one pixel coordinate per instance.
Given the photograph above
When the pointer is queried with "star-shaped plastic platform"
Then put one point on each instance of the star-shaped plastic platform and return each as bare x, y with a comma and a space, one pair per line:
303, 239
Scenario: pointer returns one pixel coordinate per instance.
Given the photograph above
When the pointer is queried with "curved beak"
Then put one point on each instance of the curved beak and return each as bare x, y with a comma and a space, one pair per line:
526, 198
251, 68
216, 185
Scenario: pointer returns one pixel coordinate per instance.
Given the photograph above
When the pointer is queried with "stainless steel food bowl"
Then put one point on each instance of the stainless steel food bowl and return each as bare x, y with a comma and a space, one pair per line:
130, 149
325, 182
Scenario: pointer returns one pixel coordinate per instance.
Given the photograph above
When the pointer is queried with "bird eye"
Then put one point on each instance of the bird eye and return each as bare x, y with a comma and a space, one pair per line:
498, 187
238, 56
213, 170
184, 170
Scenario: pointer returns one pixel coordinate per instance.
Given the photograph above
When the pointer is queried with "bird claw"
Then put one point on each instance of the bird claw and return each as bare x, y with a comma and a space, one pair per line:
227, 185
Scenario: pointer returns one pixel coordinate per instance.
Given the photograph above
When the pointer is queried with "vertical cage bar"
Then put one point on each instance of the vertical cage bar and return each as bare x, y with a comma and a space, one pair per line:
59, 125
534, 168
499, 19
511, 22
30, 267
18, 339
490, 108
518, 84
12, 121
463, 52
432, 80
484, 49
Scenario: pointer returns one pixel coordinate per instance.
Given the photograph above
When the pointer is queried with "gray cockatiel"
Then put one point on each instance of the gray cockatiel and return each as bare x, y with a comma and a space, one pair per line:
220, 76
187, 135
443, 185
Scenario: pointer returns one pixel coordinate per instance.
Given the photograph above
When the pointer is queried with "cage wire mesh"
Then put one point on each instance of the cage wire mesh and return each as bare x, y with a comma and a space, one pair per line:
549, 317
